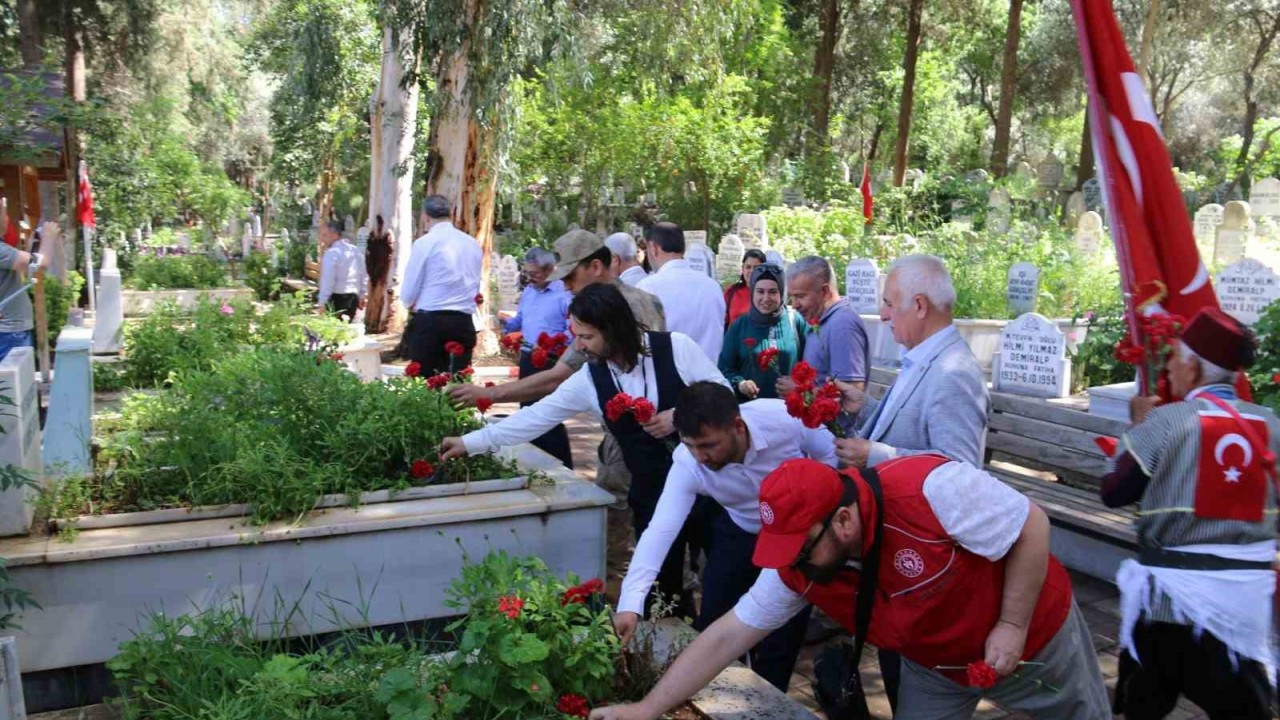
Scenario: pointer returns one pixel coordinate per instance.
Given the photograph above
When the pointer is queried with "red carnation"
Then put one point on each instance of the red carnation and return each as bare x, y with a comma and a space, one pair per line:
510, 606
545, 341
618, 406
643, 410
483, 404
573, 705
750, 342
539, 358
982, 675
421, 469
767, 359
490, 384
803, 374
413, 369
1275, 379
454, 348
467, 372
1127, 351
560, 338
438, 381
479, 298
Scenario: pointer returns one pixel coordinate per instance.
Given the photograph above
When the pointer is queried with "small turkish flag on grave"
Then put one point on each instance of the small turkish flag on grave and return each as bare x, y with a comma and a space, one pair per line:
84, 201
1232, 479
868, 202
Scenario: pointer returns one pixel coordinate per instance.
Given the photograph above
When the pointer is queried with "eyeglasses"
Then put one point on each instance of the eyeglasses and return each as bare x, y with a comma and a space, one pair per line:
806, 552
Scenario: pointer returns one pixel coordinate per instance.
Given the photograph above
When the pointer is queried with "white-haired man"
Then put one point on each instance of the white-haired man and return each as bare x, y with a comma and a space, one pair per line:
939, 403
626, 258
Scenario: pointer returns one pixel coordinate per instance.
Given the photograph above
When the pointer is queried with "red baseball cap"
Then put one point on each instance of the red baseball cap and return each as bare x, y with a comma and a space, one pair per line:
801, 493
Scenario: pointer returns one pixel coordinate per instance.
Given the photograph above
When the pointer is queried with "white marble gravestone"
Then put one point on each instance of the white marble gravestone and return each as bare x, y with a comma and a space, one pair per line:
1233, 233
862, 285
109, 323
1245, 288
68, 426
729, 259
977, 176
700, 258
1208, 218
1089, 233
20, 441
1076, 207
775, 257
695, 236
998, 212
753, 230
1024, 288
1264, 198
508, 283
1032, 359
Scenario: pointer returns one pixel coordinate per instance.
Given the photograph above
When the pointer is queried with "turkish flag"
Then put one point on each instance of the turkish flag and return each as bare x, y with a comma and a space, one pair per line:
868, 202
1232, 480
84, 201
1152, 232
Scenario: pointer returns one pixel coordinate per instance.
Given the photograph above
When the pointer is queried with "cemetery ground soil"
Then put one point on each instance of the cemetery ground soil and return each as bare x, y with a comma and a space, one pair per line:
1098, 601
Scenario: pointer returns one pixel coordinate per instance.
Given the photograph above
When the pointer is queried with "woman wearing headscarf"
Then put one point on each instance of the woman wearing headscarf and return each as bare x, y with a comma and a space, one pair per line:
763, 344
737, 297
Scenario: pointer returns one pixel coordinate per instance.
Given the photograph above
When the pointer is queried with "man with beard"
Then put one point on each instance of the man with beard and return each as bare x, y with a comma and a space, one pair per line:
626, 364
958, 579
726, 452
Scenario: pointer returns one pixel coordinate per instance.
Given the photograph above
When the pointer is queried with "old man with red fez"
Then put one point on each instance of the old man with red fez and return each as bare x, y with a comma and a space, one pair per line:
932, 558
1197, 602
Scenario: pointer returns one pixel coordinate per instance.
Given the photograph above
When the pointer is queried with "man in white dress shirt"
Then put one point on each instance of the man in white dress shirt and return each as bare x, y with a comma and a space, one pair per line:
727, 451
622, 359
694, 303
441, 282
343, 282
626, 258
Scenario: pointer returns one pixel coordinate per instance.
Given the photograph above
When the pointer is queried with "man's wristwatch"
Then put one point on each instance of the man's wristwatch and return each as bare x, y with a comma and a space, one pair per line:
36, 259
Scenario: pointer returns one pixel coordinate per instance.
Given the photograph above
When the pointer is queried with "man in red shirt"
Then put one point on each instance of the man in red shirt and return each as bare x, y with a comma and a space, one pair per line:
965, 588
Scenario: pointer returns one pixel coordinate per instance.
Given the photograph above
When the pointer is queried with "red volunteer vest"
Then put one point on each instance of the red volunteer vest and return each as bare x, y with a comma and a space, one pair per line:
936, 602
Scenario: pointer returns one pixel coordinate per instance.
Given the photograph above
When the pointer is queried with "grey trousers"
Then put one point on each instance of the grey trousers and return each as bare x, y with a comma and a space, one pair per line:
1068, 686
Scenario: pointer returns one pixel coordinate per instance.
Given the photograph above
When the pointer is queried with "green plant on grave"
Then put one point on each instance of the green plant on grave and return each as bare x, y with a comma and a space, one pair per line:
278, 429
212, 665
1264, 376
172, 340
198, 272
261, 276
1095, 361
524, 643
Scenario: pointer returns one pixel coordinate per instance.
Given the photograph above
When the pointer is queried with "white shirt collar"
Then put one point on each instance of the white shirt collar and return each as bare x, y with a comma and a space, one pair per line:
930, 346
674, 264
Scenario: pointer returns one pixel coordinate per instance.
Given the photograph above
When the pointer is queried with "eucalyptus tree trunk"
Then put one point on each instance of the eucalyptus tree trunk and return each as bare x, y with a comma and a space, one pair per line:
461, 167
393, 121
914, 12
1008, 83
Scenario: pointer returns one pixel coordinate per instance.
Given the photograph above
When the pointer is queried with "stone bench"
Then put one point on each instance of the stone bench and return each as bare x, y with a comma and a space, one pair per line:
1046, 451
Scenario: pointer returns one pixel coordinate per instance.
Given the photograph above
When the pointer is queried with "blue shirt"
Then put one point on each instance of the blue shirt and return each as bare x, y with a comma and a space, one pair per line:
840, 349
541, 311
916, 357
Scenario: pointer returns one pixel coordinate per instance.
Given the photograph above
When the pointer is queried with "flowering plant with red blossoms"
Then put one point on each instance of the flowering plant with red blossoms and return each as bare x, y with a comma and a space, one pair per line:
814, 405
574, 705
582, 593
767, 359
421, 469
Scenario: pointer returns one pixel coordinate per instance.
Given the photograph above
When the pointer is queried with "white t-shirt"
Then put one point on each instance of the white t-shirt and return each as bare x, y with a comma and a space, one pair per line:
978, 511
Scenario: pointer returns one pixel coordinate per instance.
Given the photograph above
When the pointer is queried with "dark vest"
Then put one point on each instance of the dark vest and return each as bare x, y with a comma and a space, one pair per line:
647, 458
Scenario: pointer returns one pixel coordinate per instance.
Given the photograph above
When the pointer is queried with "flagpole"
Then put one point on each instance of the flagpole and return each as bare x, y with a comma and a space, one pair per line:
1119, 236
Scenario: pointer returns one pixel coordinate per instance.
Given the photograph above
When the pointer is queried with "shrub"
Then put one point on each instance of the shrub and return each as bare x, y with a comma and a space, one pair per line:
278, 429
1266, 368
1095, 362
261, 276
176, 272
509, 665
59, 298
172, 340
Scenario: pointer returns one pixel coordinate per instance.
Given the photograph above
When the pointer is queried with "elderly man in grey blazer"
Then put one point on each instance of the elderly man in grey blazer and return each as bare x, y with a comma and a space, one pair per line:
939, 402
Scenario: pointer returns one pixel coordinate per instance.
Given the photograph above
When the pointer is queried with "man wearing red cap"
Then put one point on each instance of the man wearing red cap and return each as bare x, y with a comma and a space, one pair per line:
1197, 602
963, 586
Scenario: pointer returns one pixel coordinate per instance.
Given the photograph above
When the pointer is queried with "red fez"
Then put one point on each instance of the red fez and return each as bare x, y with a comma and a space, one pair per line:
1220, 339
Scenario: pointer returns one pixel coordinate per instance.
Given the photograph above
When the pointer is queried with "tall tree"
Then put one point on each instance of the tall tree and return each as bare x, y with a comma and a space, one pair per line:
29, 33
824, 64
914, 17
1008, 85
1263, 25
393, 121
